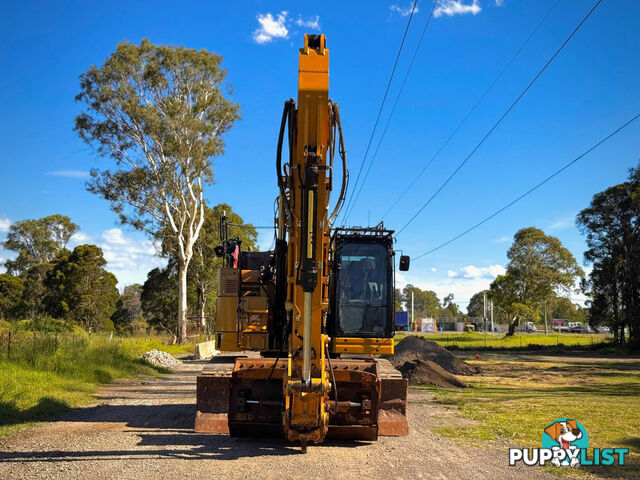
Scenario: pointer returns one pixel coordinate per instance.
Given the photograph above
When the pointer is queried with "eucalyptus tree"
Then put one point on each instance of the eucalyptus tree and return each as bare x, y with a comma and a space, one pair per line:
37, 241
539, 268
612, 227
158, 112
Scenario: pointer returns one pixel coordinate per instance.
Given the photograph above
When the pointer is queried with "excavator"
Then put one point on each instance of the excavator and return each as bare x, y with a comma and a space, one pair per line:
318, 307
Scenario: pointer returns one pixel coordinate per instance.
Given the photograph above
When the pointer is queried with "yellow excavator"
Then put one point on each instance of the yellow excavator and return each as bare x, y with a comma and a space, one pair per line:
318, 308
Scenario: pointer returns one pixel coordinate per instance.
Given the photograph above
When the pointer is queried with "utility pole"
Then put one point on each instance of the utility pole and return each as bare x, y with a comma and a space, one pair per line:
413, 316
491, 310
484, 318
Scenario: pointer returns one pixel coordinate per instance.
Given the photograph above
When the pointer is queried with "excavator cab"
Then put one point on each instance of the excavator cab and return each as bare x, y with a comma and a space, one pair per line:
361, 317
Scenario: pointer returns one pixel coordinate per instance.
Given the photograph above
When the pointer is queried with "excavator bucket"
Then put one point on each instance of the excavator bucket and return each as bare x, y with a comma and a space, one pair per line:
244, 399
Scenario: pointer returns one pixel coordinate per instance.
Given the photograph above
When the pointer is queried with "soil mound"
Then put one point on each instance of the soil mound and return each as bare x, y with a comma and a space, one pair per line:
413, 348
425, 372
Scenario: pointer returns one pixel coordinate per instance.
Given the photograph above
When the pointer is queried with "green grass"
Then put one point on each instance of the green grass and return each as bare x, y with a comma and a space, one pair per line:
46, 376
515, 400
493, 341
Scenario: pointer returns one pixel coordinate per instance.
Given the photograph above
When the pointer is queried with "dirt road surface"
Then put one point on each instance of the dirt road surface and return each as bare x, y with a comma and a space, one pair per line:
142, 429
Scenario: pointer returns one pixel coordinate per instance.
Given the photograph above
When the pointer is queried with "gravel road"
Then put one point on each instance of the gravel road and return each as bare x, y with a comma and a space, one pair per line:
142, 429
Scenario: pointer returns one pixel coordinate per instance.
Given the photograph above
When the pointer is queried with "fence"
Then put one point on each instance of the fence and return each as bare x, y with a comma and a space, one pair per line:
28, 345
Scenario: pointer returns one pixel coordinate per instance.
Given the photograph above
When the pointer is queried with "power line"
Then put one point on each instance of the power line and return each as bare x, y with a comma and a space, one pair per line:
517, 199
495, 125
393, 109
466, 117
384, 98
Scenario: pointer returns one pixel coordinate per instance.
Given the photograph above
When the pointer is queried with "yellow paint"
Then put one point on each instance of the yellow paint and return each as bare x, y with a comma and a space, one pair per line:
376, 346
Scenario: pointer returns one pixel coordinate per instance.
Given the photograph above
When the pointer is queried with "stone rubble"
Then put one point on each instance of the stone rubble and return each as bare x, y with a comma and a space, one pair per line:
160, 359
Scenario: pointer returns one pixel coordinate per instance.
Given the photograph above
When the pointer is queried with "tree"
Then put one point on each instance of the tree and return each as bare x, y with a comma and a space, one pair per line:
81, 289
11, 289
450, 307
37, 241
398, 299
426, 303
612, 226
158, 300
128, 308
159, 113
539, 268
476, 304
36, 294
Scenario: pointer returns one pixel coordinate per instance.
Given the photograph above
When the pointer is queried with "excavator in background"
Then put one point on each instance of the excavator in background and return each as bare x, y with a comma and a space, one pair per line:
318, 308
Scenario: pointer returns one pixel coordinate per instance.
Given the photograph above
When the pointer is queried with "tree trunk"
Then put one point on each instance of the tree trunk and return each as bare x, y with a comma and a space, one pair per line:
182, 301
513, 326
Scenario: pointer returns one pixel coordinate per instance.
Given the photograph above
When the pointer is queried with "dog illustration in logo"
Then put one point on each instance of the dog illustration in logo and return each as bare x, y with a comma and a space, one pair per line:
565, 433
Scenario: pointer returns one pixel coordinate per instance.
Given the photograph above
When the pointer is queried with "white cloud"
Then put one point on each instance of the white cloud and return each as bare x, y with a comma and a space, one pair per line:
271, 27
462, 288
456, 7
433, 269
128, 258
313, 24
79, 238
473, 272
5, 223
403, 11
499, 3
564, 222
503, 239
69, 173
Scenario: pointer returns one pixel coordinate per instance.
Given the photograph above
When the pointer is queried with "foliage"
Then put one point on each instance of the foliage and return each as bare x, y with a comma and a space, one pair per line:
397, 300
476, 304
45, 324
47, 374
82, 290
37, 241
36, 293
539, 268
159, 112
11, 289
158, 299
426, 302
449, 308
128, 308
612, 227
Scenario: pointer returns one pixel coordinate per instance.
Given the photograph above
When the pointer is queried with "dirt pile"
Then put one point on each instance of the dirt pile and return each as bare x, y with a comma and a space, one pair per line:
425, 372
160, 359
412, 348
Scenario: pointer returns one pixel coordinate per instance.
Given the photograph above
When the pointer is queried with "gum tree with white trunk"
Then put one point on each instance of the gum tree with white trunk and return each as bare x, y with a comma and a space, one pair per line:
158, 112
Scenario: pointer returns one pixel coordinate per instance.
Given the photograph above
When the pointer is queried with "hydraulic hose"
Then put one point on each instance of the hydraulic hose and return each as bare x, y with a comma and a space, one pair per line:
335, 109
288, 105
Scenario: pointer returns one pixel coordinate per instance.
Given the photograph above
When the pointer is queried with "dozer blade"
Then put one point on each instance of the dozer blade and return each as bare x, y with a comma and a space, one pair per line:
392, 417
212, 398
245, 399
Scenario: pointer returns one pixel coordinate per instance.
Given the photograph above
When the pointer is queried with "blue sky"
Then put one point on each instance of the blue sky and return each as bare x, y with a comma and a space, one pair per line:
589, 90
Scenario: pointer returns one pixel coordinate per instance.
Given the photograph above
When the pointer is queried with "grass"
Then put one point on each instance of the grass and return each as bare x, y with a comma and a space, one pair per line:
515, 400
46, 375
488, 341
